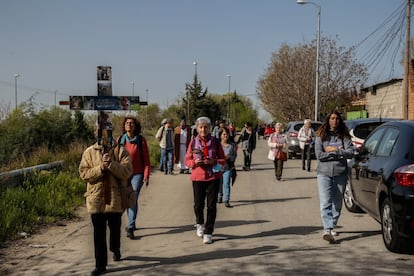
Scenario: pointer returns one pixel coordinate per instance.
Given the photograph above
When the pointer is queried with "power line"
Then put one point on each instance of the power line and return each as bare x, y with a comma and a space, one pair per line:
389, 40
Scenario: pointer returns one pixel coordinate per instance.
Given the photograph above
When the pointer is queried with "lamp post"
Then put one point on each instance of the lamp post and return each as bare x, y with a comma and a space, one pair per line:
132, 84
318, 41
15, 89
228, 102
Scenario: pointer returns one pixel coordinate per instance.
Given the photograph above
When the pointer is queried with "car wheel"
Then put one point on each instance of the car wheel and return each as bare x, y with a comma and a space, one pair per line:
349, 200
392, 240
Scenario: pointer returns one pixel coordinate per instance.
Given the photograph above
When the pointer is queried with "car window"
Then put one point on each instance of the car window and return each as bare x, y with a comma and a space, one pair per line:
315, 126
297, 127
387, 143
371, 143
363, 130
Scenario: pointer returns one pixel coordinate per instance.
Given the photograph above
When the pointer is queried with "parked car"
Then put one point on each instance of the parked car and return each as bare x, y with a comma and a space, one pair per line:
292, 131
269, 129
361, 128
382, 183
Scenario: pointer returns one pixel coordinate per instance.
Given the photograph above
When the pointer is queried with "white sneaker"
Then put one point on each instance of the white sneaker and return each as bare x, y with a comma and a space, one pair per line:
327, 236
200, 230
334, 233
207, 239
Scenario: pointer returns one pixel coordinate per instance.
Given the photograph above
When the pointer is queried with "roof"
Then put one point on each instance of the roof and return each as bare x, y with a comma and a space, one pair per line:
376, 86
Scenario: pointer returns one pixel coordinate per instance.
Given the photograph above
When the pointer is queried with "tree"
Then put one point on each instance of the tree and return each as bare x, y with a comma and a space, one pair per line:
287, 88
192, 102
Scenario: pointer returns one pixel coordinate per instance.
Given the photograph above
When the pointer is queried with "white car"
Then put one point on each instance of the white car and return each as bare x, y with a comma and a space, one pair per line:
361, 128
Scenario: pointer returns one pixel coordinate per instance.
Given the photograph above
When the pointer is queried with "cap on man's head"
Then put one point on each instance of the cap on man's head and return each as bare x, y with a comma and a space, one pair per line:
164, 121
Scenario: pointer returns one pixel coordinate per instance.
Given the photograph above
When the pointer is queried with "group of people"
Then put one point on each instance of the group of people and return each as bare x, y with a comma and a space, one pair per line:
209, 157
333, 147
108, 167
173, 142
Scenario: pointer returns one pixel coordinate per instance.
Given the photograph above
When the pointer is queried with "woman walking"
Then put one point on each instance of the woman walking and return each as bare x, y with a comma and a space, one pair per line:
137, 147
248, 140
277, 142
231, 154
333, 146
105, 170
203, 154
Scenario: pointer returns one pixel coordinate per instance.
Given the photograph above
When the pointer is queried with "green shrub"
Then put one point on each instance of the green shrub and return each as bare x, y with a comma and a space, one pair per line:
44, 197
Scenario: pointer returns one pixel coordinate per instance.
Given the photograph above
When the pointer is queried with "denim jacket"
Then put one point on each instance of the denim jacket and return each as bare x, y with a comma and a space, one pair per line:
333, 163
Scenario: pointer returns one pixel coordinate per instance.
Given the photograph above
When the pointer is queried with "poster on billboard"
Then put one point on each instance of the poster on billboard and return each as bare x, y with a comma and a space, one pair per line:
102, 102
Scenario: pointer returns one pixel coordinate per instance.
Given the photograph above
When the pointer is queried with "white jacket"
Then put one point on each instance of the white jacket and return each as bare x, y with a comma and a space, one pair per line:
302, 137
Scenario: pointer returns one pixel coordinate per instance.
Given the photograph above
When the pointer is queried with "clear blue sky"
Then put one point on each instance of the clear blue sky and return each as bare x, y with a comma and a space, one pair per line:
56, 44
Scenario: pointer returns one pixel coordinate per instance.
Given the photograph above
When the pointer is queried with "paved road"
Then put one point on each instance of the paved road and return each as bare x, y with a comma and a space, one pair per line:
273, 229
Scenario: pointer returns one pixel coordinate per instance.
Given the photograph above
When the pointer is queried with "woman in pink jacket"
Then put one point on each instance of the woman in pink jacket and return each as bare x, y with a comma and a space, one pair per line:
205, 157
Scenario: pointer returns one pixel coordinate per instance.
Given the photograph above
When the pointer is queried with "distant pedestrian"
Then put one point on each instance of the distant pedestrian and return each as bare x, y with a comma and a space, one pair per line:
248, 140
137, 147
182, 137
203, 155
162, 155
105, 172
333, 146
277, 142
306, 137
165, 135
230, 153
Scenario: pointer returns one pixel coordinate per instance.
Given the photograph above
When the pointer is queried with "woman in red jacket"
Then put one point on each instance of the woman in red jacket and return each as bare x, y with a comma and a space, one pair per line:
137, 147
205, 156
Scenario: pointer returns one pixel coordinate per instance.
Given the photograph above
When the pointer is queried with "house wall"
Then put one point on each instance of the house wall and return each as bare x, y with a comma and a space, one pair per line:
386, 102
411, 91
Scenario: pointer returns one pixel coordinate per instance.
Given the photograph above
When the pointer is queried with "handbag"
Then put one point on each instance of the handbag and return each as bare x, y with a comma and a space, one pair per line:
281, 155
128, 199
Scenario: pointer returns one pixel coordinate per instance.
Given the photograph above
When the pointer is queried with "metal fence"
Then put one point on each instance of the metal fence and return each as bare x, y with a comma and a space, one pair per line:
16, 177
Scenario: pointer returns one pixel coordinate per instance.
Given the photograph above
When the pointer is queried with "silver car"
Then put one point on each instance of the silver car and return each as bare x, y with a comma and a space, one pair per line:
291, 132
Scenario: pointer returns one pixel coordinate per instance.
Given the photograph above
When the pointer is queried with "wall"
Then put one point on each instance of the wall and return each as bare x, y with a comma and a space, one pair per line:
386, 102
411, 91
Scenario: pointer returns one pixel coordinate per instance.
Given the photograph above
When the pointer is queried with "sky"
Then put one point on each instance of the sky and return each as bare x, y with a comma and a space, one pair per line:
55, 45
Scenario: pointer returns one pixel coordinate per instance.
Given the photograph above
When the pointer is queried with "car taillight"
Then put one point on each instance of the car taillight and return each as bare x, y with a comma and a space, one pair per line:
404, 176
357, 145
293, 134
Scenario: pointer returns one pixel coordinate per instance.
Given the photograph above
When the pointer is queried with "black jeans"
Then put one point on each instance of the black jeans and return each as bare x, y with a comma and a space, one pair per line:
247, 158
99, 222
203, 190
306, 154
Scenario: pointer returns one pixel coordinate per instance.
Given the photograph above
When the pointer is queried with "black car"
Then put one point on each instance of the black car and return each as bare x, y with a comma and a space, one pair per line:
292, 131
382, 183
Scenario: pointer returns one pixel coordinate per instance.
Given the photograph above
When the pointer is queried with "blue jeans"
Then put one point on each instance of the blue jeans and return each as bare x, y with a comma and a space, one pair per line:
225, 185
168, 159
331, 191
162, 159
136, 181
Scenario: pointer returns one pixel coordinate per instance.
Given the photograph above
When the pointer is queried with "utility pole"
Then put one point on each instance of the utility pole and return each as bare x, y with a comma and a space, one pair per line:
407, 63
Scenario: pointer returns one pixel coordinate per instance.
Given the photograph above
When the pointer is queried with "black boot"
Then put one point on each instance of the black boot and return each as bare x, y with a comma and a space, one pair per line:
98, 271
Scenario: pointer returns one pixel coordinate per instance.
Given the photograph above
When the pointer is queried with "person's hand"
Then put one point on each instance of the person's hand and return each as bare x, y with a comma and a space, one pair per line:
198, 162
106, 161
209, 161
330, 148
146, 181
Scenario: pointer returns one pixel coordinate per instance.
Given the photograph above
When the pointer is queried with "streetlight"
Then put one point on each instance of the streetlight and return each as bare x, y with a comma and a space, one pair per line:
195, 67
228, 103
318, 41
15, 88
132, 84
